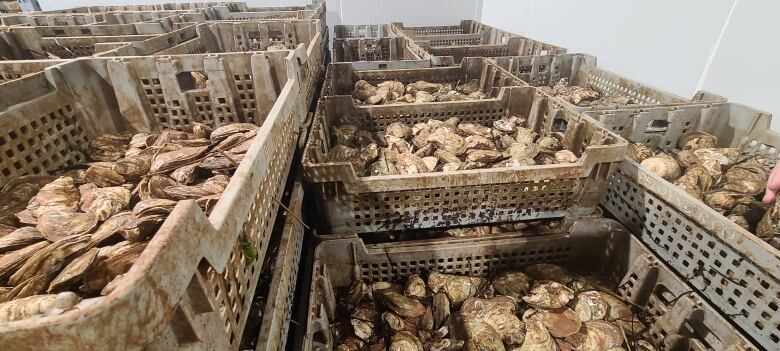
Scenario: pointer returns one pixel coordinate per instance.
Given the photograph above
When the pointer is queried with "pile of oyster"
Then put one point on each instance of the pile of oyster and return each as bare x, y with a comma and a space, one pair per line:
586, 96
394, 92
727, 179
443, 146
545, 307
72, 235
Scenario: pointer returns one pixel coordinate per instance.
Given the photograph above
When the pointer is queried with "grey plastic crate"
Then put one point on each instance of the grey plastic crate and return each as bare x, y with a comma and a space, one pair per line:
581, 69
191, 287
384, 53
349, 202
680, 319
737, 271
348, 31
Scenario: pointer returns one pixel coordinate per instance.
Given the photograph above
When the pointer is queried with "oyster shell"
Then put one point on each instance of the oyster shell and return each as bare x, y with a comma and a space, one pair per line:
549, 144
59, 195
663, 166
457, 288
110, 228
141, 228
201, 130
697, 140
447, 345
154, 207
620, 313
548, 295
440, 308
363, 90
415, 287
565, 156
186, 192
410, 164
422, 85
31, 306
769, 225
55, 226
20, 238
223, 132
523, 150
740, 221
364, 321
478, 142
17, 193
747, 177
484, 156
12, 261
402, 305
687, 158
526, 135
537, 338
170, 161
639, 152
478, 335
514, 284
109, 147
222, 162
169, 136
38, 271
589, 305
357, 291
595, 336
104, 202
73, 272
447, 141
405, 341
560, 323
103, 175
551, 272
696, 180
385, 165
509, 124
399, 130
467, 129
133, 167
724, 201
501, 304
111, 265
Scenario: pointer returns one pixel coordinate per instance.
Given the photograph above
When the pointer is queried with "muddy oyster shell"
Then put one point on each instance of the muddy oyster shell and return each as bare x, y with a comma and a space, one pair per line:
363, 322
470, 87
687, 158
478, 335
110, 265
402, 305
405, 341
133, 167
560, 323
484, 156
103, 175
154, 207
448, 141
363, 90
523, 151
385, 165
105, 202
537, 338
170, 161
697, 140
415, 287
73, 272
399, 130
457, 288
740, 221
620, 313
514, 284
725, 200
503, 304
39, 270
595, 336
663, 166
551, 272
410, 164
565, 156
478, 142
220, 163
108, 147
48, 305
221, 133
747, 177
549, 144
509, 124
447, 345
56, 226
59, 195
549, 295
589, 305
724, 156
440, 308
13, 260
422, 85
769, 225
19, 239
639, 152
696, 180
467, 129
345, 134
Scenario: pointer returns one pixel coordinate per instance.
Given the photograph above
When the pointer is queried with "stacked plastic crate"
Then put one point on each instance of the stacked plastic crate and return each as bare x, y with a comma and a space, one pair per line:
152, 69
384, 225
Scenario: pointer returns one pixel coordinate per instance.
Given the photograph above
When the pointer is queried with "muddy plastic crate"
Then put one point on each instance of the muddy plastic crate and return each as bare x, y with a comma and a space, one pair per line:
465, 27
11, 70
350, 31
737, 271
191, 287
343, 76
581, 70
278, 310
385, 53
678, 318
350, 203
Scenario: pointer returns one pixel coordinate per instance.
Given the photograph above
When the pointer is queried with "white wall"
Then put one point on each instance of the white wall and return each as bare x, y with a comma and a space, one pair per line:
678, 46
410, 12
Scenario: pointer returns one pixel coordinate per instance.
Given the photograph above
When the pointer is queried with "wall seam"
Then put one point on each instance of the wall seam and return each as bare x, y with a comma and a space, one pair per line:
715, 47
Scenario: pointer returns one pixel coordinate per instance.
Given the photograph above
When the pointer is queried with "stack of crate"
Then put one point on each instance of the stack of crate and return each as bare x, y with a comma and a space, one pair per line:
70, 76
679, 247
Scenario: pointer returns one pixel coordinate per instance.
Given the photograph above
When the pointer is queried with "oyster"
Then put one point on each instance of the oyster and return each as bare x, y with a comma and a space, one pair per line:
405, 341
103, 175
399, 130
768, 226
551, 272
478, 142
422, 85
639, 152
620, 313
395, 88
457, 288
385, 165
345, 134
509, 124
537, 338
696, 180
484, 156
201, 130
747, 177
39, 270
549, 144
560, 323
501, 304
687, 158
430, 162
565, 156
470, 87
154, 207
410, 164
663, 166
133, 167
697, 140
110, 228
12, 261
364, 321
59, 195
447, 345
141, 228
589, 305
526, 135
478, 335
73, 272
20, 238
402, 305
223, 132
440, 309
31, 306
514, 284
55, 226
415, 287
595, 336
357, 291
114, 262
467, 129
170, 161
109, 147
221, 163
186, 192
523, 150
724, 201
447, 141
549, 294
740, 221
104, 202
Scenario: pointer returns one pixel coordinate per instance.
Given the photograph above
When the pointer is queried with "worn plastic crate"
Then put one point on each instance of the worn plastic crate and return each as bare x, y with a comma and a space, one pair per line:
737, 271
191, 287
351, 203
514, 45
581, 69
349, 31
678, 318
343, 76
383, 53
465, 27
275, 324
11, 70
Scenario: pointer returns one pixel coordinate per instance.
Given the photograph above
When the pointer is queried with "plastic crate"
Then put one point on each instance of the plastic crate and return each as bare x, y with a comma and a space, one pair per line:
465, 27
737, 271
679, 319
349, 31
383, 53
343, 76
581, 69
11, 70
515, 45
279, 304
351, 203
191, 287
